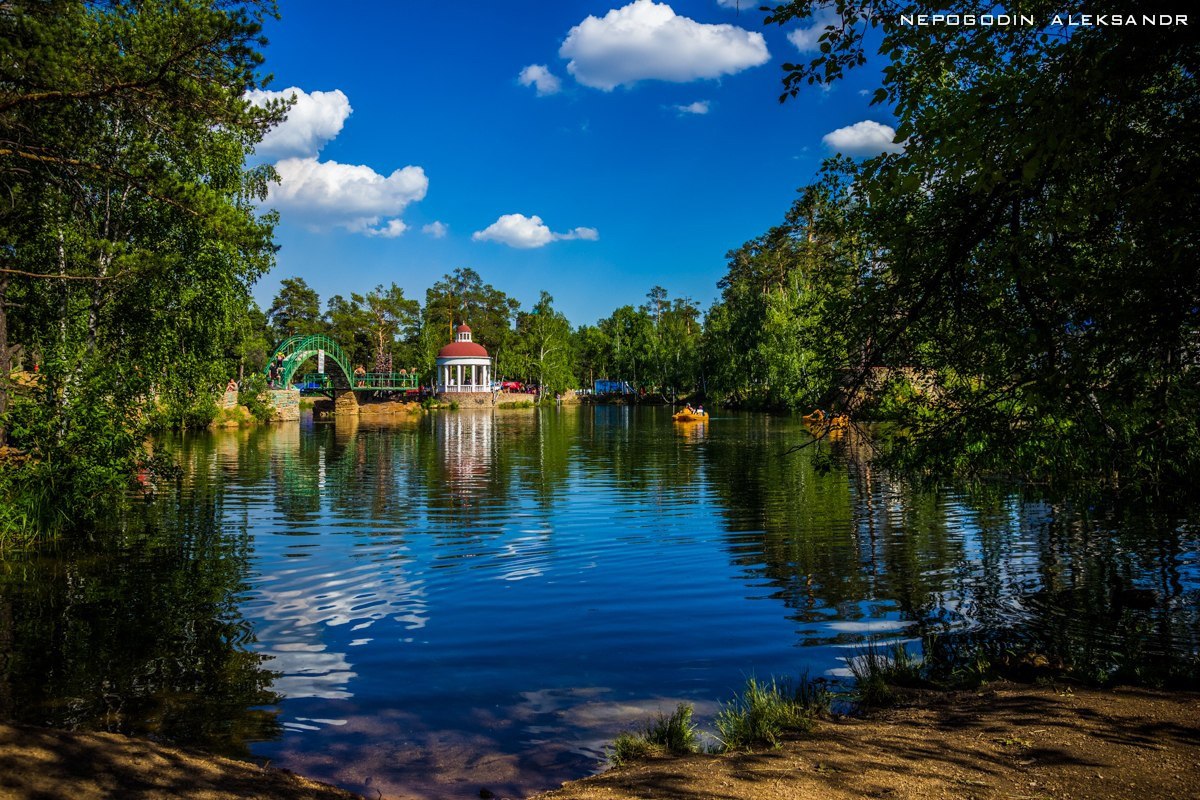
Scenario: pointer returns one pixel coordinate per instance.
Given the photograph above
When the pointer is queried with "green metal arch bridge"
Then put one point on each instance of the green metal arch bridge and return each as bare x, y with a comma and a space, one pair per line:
297, 350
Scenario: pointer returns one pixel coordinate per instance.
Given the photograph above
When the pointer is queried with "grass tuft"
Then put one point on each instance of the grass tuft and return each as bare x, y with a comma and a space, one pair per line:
764, 712
878, 670
672, 734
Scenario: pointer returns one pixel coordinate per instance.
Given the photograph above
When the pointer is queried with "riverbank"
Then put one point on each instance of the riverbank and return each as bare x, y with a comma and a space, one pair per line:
44, 763
1006, 740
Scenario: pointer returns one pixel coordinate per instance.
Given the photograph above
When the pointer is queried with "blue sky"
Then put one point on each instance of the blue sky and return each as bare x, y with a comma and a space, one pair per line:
416, 144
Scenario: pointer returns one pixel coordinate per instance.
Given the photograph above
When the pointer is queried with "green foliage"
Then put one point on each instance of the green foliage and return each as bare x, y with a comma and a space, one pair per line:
777, 337
655, 347
763, 713
253, 396
462, 296
672, 734
131, 218
77, 464
251, 341
877, 670
542, 352
295, 310
1027, 252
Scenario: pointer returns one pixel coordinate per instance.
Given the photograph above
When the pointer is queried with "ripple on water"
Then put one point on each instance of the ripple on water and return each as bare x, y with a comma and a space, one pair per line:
493, 597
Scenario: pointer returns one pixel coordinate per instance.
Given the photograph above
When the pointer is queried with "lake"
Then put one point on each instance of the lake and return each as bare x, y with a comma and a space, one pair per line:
461, 600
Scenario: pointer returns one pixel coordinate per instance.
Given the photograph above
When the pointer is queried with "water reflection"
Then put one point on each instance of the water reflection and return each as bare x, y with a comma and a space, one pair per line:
478, 597
143, 636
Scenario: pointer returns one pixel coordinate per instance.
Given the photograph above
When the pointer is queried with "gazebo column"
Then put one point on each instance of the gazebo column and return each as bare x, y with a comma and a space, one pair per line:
458, 382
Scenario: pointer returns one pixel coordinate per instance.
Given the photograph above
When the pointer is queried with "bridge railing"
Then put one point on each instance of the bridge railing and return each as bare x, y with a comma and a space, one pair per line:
386, 380
370, 381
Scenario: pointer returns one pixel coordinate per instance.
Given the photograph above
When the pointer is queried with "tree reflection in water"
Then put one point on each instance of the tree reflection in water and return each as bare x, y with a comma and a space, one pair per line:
139, 632
385, 594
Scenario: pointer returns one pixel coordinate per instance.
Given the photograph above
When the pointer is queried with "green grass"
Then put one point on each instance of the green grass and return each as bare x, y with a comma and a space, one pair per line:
672, 734
764, 712
517, 404
878, 670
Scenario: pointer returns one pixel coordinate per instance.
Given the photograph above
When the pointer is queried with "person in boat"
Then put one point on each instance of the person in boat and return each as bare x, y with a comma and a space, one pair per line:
687, 409
700, 410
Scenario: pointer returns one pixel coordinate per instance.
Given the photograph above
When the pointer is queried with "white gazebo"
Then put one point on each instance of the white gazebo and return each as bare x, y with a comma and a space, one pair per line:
463, 365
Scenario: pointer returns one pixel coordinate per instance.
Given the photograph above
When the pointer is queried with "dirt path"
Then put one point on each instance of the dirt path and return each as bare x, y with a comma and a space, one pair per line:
1006, 742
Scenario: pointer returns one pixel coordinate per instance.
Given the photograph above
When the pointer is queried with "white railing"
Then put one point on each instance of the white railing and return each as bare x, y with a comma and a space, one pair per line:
466, 387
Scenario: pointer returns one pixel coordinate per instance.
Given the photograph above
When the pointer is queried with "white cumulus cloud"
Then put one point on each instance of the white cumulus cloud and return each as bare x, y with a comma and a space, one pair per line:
807, 40
314, 119
864, 138
538, 75
649, 41
698, 107
325, 194
518, 230
391, 230
436, 229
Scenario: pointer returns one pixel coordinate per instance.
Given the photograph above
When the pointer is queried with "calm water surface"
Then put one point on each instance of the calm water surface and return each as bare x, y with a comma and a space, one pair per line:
467, 600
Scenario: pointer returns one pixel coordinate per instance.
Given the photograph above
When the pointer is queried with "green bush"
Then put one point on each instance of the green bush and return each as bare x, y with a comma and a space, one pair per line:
253, 397
73, 465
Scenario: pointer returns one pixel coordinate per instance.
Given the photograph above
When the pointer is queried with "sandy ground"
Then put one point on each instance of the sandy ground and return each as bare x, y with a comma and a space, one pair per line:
1006, 741
42, 764
1002, 742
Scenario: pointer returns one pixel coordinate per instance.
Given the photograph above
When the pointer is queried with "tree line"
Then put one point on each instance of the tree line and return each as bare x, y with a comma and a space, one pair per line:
654, 346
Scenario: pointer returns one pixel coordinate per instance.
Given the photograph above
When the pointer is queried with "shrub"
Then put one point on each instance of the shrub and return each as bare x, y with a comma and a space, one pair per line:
252, 397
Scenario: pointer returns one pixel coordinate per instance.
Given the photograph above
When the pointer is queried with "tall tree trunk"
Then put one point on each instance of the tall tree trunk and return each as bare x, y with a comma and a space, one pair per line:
5, 359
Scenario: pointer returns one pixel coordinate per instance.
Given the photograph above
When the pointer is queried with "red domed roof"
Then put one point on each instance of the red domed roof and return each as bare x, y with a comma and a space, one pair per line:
463, 350
464, 328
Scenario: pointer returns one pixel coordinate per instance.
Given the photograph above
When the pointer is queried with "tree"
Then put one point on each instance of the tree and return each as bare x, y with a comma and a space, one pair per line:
628, 331
296, 309
543, 346
391, 317
463, 297
348, 324
592, 355
777, 335
1033, 247
129, 234
251, 343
